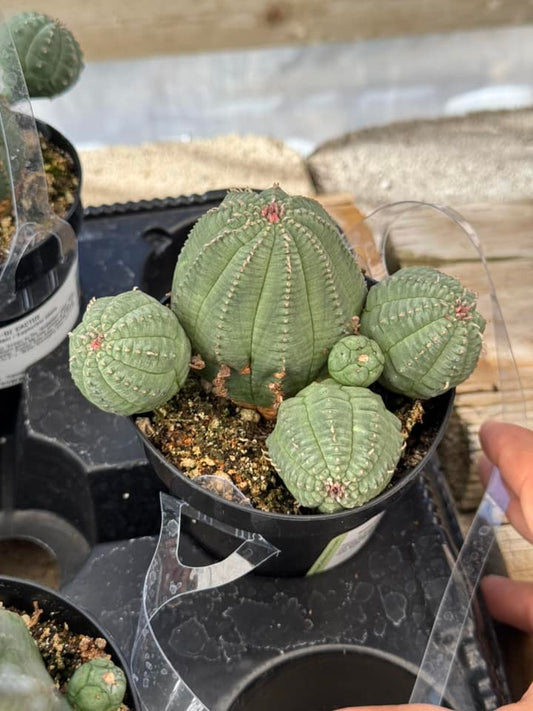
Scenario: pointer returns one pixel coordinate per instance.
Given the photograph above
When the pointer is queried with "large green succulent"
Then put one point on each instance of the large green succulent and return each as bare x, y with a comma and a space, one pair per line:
264, 287
98, 685
335, 446
129, 354
25, 684
428, 328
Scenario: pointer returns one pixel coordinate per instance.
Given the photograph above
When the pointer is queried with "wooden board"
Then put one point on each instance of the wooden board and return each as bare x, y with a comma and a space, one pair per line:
114, 28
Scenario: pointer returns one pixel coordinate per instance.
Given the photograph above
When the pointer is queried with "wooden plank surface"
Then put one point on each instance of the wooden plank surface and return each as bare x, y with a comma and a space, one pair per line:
114, 29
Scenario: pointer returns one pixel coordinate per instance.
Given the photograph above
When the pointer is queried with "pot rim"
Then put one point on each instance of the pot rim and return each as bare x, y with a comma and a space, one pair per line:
295, 654
376, 504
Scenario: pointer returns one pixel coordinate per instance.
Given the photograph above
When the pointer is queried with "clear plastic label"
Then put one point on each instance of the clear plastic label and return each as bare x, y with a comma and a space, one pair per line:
29, 339
345, 546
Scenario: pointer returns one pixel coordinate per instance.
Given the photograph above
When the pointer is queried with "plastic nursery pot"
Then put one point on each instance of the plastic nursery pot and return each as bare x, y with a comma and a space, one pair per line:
325, 678
46, 297
21, 594
307, 543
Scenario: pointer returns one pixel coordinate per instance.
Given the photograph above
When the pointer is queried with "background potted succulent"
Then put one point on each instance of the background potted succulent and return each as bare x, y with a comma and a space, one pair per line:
232, 380
50, 60
54, 657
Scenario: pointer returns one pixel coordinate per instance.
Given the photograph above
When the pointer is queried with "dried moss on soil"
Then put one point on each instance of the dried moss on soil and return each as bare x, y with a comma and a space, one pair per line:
62, 187
62, 650
203, 435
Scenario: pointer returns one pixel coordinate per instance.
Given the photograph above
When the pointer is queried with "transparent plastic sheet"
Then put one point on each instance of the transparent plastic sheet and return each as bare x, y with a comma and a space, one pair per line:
34, 218
159, 685
372, 238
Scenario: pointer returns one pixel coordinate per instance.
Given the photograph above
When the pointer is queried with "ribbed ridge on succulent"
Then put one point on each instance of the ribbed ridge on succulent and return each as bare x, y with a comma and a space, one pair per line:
334, 446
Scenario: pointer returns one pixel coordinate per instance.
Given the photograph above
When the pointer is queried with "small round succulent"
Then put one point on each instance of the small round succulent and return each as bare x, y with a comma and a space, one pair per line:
98, 685
335, 446
129, 354
356, 360
428, 328
49, 55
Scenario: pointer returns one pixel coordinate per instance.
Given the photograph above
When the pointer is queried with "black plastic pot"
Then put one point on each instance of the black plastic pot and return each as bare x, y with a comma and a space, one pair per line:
300, 539
325, 678
42, 270
20, 594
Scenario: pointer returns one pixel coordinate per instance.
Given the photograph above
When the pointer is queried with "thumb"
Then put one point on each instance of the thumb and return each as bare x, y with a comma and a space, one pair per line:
509, 601
525, 703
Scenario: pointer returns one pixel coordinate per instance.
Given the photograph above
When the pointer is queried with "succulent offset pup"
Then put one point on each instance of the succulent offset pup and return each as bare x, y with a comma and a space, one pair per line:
129, 353
428, 328
98, 685
335, 446
264, 287
356, 360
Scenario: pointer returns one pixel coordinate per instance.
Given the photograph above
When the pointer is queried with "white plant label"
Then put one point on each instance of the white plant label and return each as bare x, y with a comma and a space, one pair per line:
24, 342
345, 546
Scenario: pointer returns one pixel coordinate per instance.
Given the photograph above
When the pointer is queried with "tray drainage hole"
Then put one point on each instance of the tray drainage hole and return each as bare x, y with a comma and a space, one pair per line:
28, 559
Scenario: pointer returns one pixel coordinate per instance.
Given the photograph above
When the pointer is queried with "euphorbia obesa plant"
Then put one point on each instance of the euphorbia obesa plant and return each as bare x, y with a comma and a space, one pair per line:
268, 292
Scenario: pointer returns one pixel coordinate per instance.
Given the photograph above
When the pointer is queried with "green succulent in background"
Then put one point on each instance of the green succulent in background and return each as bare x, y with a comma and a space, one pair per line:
428, 328
129, 354
264, 286
335, 446
25, 684
356, 360
50, 56
98, 685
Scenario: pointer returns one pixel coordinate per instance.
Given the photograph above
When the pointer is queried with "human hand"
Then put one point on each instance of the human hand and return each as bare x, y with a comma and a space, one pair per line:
510, 448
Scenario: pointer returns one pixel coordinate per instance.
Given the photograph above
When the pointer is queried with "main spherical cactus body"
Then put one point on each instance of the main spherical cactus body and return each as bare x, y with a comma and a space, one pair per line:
129, 354
428, 328
264, 286
98, 685
49, 55
335, 446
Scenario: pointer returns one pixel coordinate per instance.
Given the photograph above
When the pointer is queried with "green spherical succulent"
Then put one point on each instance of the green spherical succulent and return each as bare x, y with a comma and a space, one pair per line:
129, 354
335, 446
49, 55
356, 360
264, 286
98, 685
428, 328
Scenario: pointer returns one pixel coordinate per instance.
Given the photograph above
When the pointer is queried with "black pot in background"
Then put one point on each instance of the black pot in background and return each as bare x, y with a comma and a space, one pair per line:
300, 539
325, 678
20, 594
42, 270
